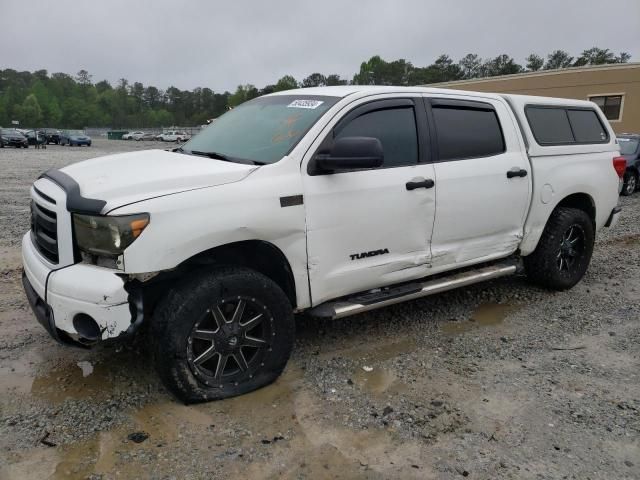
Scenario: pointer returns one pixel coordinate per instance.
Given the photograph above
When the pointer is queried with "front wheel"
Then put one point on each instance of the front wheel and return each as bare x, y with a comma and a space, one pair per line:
222, 334
564, 250
630, 183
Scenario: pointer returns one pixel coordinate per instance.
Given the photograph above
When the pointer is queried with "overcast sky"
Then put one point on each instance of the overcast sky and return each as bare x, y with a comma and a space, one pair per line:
220, 44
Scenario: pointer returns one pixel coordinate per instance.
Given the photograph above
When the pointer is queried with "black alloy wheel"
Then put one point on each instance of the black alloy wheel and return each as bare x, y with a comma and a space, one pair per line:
228, 344
571, 248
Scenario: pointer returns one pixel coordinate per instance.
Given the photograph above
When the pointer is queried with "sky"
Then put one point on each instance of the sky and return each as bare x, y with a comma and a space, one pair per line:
221, 44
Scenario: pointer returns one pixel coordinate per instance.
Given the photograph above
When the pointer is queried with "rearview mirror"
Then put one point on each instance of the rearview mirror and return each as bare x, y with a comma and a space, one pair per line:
351, 153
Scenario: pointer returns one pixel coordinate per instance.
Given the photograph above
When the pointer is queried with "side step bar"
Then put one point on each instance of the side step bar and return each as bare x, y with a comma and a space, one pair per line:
392, 295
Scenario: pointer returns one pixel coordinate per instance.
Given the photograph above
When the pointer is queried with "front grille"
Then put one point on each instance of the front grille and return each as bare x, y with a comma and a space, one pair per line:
44, 231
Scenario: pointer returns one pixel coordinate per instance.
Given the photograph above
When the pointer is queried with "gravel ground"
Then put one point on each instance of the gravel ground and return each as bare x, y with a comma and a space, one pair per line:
500, 380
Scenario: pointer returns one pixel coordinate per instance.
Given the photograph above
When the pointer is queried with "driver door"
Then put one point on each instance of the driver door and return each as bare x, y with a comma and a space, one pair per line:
371, 228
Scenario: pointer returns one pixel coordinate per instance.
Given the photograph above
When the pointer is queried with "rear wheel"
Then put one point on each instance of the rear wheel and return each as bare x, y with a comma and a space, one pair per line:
630, 183
564, 251
222, 334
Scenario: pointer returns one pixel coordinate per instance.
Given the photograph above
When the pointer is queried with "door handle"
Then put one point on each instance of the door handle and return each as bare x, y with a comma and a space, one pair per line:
516, 172
420, 182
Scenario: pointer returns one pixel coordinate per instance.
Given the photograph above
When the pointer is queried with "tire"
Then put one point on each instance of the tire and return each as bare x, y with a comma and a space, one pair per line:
189, 363
564, 250
630, 183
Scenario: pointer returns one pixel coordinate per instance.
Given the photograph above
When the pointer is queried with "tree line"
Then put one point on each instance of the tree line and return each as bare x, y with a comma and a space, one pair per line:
65, 101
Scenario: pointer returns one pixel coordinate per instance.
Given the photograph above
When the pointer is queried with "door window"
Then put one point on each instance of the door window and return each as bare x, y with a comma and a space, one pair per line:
394, 127
467, 132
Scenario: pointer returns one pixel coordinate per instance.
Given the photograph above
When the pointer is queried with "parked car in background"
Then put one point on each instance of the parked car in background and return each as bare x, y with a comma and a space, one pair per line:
130, 135
173, 136
36, 137
11, 137
630, 150
74, 137
52, 135
144, 136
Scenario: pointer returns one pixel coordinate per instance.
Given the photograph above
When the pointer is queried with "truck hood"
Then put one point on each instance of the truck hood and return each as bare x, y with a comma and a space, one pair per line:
135, 176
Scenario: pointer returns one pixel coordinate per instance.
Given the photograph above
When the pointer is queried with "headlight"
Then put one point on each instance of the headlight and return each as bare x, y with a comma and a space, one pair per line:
108, 236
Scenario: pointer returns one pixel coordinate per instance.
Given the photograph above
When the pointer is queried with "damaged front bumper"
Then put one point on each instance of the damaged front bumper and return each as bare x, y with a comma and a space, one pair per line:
79, 303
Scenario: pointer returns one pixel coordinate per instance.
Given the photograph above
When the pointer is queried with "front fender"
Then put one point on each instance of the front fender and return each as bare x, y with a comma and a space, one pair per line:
186, 224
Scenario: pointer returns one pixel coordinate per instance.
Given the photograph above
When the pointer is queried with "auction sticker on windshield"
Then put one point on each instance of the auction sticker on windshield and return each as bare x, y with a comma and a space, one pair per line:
305, 104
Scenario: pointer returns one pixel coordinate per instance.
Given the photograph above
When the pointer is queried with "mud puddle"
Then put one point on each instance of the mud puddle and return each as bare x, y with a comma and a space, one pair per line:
72, 379
378, 381
156, 426
16, 376
160, 426
485, 315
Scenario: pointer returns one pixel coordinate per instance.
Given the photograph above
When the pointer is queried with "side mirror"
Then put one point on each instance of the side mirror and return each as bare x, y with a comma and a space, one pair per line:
351, 153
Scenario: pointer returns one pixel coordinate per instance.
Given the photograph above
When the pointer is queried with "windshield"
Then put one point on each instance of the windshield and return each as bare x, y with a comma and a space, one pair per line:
76, 132
628, 146
262, 130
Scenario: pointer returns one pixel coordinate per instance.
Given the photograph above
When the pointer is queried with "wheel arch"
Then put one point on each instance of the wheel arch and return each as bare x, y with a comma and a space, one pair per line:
261, 256
580, 200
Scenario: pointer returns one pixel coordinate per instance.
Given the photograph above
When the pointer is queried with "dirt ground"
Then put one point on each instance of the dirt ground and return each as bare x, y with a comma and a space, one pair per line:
500, 380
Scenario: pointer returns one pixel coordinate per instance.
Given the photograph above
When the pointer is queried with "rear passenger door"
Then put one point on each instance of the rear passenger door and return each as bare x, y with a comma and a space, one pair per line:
483, 181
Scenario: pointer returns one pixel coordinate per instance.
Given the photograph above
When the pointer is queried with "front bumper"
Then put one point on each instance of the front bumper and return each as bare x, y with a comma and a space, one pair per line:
60, 297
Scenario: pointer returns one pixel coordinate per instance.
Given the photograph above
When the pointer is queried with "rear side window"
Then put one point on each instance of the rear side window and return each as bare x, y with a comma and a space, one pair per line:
550, 125
565, 125
396, 130
467, 132
586, 126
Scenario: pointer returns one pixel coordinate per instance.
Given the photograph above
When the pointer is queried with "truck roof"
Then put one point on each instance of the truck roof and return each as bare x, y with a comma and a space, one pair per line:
347, 90
516, 103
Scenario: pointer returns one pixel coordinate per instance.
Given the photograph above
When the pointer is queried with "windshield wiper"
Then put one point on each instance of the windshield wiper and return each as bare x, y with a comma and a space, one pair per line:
221, 156
215, 155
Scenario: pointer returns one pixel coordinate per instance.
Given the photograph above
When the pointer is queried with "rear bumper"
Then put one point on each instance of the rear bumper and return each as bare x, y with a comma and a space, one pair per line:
61, 298
613, 217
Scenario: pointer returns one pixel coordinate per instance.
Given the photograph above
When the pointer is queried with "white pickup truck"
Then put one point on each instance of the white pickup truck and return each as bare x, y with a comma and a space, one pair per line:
332, 201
